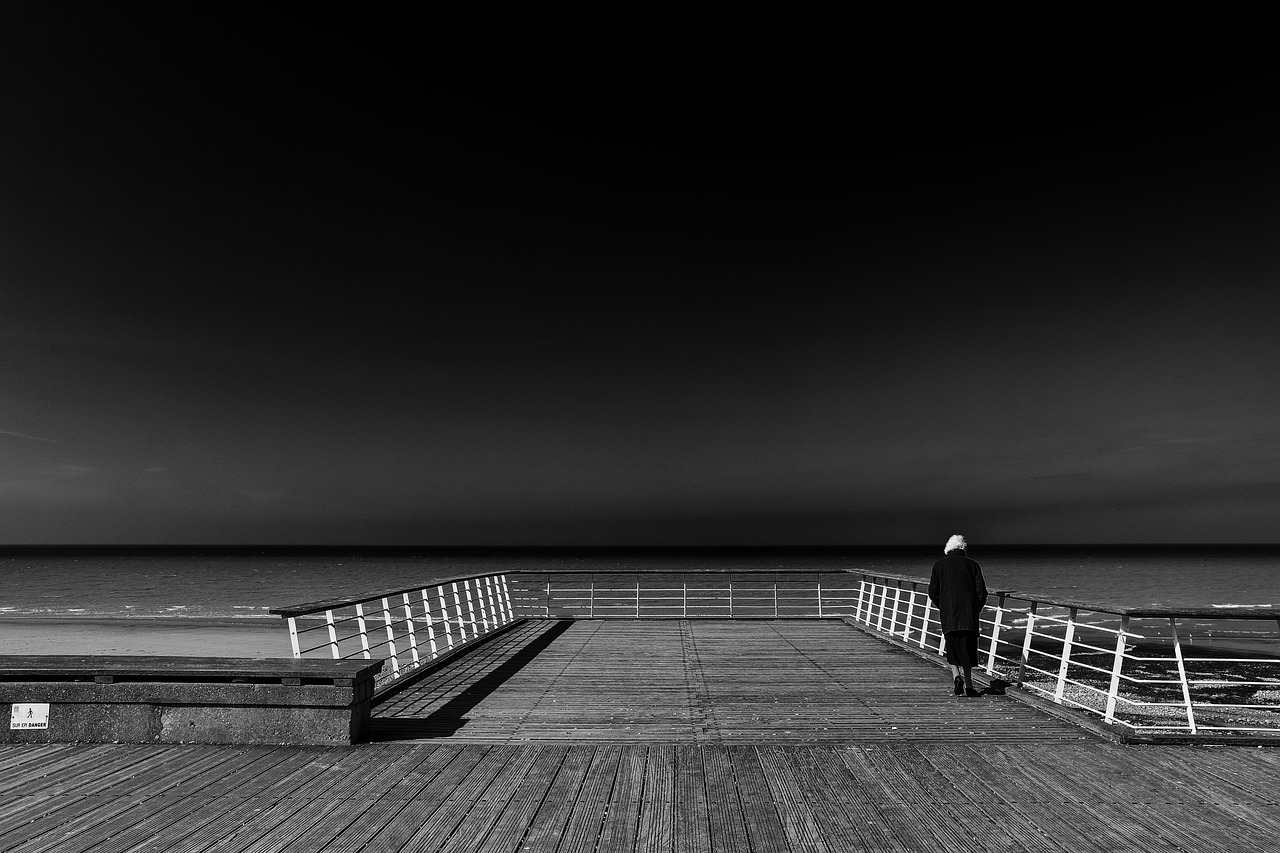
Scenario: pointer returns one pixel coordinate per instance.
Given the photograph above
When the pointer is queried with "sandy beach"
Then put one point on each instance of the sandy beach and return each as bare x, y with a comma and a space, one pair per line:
243, 638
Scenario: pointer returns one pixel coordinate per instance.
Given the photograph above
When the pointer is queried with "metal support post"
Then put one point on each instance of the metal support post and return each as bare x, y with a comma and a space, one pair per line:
1117, 665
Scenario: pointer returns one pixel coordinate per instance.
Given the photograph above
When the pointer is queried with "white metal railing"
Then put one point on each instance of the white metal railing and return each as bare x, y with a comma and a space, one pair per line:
683, 594
1149, 670
407, 627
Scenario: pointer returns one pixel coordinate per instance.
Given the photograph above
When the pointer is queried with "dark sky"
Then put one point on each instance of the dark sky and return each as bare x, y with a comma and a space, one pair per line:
636, 277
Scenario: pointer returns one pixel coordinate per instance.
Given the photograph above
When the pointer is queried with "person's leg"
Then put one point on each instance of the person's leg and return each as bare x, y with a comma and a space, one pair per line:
968, 677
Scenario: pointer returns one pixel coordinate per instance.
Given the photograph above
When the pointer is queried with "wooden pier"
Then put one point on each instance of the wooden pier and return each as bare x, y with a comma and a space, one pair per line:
659, 735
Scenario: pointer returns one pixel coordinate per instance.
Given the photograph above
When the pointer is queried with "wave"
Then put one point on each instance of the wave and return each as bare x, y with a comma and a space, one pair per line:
1229, 606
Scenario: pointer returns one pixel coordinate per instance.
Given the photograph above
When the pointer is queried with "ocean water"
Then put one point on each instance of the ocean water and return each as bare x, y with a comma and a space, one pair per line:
246, 585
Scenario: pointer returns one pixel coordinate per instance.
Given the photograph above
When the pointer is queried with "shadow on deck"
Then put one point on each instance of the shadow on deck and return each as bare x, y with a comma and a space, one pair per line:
699, 681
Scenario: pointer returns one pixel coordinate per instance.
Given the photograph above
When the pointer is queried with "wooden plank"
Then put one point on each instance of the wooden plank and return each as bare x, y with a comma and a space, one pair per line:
583, 829
70, 767
47, 816
726, 824
156, 811
219, 827
839, 829
428, 798
187, 828
858, 801
618, 835
512, 825
274, 827
657, 808
466, 791
56, 835
927, 816
1154, 780
15, 756
692, 821
469, 835
548, 826
764, 823
371, 819
798, 823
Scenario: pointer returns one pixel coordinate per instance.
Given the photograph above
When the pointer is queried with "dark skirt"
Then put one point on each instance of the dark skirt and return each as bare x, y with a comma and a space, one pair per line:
962, 648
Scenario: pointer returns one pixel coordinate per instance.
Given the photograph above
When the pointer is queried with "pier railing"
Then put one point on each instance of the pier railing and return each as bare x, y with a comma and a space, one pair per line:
1152, 671
1201, 671
406, 627
711, 593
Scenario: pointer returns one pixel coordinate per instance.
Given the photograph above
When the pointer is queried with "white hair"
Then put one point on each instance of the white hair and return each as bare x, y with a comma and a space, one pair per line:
955, 543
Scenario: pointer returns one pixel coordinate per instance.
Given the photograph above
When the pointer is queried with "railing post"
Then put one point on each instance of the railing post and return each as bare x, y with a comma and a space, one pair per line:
444, 616
1182, 674
413, 636
591, 598
548, 605
1117, 664
391, 636
333, 633
911, 611
775, 598
862, 594
483, 605
897, 600
637, 597
506, 595
924, 621
457, 612
884, 604
995, 636
495, 606
1065, 657
471, 608
819, 596
684, 596
730, 596
293, 637
364, 631
1026, 642
431, 628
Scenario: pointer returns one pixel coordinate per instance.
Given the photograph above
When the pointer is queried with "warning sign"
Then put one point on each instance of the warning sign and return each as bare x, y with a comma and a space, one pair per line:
29, 715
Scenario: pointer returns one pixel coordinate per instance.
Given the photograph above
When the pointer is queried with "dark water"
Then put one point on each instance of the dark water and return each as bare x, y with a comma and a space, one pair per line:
246, 584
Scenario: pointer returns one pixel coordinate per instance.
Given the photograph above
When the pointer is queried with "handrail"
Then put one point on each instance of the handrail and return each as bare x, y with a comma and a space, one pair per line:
1259, 611
1136, 667
410, 627
1148, 678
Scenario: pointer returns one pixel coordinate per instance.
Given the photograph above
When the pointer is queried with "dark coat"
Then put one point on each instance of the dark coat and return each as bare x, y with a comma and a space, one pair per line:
958, 590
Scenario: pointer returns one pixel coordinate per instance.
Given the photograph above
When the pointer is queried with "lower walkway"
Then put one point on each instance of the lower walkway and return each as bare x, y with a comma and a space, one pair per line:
756, 737
701, 681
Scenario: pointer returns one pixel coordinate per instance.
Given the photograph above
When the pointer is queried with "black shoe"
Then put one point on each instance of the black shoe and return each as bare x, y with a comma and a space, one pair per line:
959, 685
971, 693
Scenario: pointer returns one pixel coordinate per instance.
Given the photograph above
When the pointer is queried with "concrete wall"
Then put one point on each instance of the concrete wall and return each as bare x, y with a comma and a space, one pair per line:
192, 706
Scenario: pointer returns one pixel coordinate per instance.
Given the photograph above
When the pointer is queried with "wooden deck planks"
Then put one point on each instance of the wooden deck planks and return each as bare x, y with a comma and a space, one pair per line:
493, 799
618, 834
707, 681
655, 833
727, 825
582, 832
708, 765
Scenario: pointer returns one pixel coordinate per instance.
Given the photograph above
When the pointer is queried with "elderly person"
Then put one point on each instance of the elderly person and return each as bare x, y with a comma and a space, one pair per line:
959, 591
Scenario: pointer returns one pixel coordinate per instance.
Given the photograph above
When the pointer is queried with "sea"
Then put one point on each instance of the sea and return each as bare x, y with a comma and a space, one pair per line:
217, 601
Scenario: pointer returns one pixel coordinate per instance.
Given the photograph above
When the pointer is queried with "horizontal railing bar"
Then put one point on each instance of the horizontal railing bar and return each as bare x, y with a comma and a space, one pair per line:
308, 607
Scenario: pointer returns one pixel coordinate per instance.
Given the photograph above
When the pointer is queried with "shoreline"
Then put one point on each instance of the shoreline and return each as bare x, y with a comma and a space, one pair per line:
249, 637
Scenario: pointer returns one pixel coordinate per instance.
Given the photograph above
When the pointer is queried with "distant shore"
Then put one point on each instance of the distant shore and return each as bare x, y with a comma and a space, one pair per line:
236, 638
